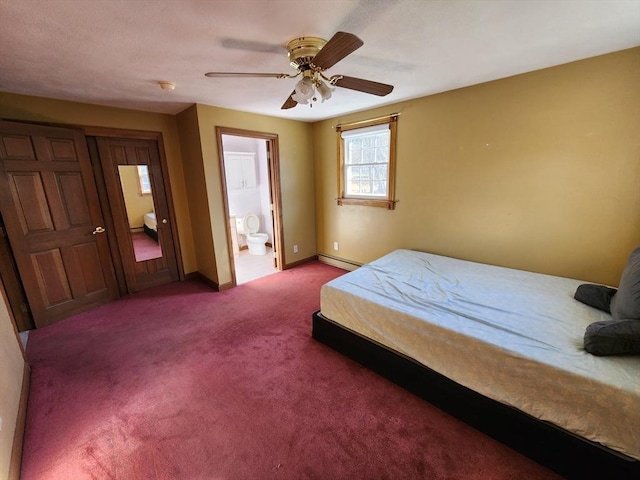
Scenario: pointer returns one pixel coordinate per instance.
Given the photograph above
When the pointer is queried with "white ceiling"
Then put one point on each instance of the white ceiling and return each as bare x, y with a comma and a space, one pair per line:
114, 52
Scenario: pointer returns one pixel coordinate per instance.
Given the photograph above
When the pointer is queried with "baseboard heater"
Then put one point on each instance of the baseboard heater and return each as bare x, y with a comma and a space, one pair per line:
563, 452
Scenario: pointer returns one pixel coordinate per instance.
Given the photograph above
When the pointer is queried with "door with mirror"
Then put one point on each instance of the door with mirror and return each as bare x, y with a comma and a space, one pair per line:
136, 192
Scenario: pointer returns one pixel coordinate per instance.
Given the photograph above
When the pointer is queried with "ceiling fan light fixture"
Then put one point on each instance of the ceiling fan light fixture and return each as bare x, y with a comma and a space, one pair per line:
324, 90
299, 99
304, 88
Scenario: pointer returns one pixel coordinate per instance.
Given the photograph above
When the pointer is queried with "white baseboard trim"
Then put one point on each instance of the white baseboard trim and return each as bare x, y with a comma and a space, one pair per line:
339, 262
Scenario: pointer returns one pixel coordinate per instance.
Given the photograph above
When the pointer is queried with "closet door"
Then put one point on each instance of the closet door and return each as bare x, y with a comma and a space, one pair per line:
135, 189
49, 203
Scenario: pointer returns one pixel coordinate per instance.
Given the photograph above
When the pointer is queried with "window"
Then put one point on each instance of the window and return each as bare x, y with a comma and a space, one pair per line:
367, 162
144, 180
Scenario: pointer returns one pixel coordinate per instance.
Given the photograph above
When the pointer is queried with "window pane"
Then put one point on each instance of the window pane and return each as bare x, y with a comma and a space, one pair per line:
381, 172
368, 155
143, 178
380, 188
382, 155
382, 140
356, 156
352, 184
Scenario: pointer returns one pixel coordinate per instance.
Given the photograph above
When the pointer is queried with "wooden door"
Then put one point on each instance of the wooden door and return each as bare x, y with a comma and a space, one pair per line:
141, 271
50, 207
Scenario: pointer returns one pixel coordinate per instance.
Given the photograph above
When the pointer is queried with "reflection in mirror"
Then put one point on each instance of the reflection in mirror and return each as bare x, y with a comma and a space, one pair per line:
138, 200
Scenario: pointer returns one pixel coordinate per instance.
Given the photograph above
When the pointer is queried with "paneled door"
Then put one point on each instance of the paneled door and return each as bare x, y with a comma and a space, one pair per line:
140, 208
49, 203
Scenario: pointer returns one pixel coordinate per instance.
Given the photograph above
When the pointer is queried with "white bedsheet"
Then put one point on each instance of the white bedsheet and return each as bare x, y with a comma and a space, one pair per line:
150, 221
514, 336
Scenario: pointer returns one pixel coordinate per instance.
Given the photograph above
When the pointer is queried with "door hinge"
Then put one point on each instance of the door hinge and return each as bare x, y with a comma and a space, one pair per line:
2, 233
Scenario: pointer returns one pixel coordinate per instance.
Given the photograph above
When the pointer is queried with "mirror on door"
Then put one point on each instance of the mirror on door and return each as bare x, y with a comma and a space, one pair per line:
138, 199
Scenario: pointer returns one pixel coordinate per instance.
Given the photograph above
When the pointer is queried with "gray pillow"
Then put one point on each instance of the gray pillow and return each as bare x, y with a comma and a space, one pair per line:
613, 337
625, 304
596, 296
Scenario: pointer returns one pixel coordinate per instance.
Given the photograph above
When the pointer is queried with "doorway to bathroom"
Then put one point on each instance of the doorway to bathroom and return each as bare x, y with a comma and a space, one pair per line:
251, 185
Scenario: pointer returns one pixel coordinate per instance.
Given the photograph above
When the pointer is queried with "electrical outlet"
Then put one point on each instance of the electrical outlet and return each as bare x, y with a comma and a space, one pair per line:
295, 249
335, 245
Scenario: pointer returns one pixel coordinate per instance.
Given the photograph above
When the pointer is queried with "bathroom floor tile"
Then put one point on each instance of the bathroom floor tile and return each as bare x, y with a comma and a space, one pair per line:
249, 267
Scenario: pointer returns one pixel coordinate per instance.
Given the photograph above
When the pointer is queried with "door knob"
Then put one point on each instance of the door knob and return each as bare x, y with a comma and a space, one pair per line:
164, 220
98, 230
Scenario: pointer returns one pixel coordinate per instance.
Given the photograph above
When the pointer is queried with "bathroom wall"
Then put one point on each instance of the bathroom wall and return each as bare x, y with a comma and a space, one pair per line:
251, 200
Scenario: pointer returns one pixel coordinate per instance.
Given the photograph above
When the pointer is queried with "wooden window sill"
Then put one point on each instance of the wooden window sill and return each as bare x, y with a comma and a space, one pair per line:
368, 202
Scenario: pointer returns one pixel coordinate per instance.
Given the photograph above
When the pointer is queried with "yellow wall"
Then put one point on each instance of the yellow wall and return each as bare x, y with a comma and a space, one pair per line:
22, 107
12, 367
135, 202
197, 194
539, 171
296, 177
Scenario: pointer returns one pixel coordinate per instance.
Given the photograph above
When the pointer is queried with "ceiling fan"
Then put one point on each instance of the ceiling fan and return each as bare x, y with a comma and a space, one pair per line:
310, 57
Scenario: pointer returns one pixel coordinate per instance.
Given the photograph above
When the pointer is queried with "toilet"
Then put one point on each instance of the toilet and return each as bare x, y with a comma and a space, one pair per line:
248, 226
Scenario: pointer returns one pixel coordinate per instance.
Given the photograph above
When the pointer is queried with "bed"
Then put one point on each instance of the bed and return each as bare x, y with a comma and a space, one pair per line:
500, 348
151, 225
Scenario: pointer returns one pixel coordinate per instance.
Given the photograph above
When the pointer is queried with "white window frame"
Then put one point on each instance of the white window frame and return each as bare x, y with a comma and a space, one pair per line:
363, 129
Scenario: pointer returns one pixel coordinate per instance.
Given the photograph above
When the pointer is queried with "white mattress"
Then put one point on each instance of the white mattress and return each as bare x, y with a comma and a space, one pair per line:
150, 221
514, 336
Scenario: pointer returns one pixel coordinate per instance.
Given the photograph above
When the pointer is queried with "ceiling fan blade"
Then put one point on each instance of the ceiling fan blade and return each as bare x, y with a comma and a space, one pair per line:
240, 74
290, 103
366, 86
340, 45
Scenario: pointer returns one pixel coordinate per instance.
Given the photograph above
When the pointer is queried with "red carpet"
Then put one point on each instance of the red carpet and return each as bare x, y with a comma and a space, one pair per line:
180, 382
145, 247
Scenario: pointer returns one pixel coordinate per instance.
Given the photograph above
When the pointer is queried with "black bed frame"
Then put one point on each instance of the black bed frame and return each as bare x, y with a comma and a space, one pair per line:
151, 232
557, 449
